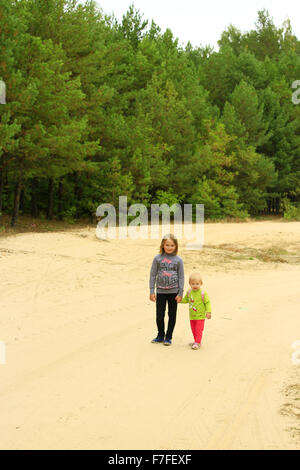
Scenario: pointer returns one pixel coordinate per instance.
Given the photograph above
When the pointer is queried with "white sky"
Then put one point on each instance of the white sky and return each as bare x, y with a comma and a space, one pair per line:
202, 22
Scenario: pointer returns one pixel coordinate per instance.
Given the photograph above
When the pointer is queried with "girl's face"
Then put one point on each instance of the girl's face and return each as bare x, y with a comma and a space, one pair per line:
195, 284
169, 246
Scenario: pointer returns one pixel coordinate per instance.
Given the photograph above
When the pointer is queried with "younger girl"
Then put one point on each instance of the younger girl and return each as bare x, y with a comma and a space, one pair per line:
167, 275
200, 308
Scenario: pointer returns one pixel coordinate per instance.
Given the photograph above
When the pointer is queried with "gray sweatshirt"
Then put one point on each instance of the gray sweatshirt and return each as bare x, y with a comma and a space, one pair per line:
167, 274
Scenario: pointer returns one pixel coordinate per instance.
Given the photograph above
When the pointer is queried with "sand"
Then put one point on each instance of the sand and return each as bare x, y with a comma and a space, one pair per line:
81, 372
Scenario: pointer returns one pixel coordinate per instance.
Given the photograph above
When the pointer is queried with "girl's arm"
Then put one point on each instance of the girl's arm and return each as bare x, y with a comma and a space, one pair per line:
207, 304
185, 299
180, 278
153, 274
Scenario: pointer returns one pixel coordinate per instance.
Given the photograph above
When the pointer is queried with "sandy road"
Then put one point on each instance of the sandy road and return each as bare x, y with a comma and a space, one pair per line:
81, 372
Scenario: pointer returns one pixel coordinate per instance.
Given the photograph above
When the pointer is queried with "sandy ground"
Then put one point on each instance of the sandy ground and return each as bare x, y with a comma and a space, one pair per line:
80, 370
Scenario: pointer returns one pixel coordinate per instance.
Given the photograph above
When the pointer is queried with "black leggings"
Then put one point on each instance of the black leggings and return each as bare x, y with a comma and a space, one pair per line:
161, 301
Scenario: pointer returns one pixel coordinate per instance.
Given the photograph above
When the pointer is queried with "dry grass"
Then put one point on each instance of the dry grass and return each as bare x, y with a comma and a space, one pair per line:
291, 407
226, 253
30, 225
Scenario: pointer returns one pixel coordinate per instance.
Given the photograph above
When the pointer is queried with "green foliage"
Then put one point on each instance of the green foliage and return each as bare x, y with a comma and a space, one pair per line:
291, 211
219, 202
166, 197
69, 215
103, 109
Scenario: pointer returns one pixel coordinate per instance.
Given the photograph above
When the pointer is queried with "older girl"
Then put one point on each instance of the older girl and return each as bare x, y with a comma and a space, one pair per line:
167, 275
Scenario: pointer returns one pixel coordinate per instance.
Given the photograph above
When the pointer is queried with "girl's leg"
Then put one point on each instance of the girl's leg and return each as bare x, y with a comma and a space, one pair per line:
172, 311
198, 330
161, 301
193, 328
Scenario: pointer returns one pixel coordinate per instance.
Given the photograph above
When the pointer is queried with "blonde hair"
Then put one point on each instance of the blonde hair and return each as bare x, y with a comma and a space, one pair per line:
195, 276
169, 236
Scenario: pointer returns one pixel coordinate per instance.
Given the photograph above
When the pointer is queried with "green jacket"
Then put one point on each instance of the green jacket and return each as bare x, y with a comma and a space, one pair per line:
198, 307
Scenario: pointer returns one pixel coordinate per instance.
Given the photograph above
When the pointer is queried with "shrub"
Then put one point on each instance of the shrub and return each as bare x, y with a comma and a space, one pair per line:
291, 211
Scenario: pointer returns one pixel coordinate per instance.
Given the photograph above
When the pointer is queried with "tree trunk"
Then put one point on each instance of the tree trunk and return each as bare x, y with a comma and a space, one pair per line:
50, 199
60, 197
77, 191
22, 197
1, 182
34, 202
76, 186
277, 205
15, 214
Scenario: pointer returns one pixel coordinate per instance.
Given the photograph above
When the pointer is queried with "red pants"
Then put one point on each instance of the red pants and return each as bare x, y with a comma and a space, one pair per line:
197, 329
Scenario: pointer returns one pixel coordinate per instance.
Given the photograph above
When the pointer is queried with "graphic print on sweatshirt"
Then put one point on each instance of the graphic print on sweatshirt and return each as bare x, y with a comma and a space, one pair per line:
168, 276
191, 304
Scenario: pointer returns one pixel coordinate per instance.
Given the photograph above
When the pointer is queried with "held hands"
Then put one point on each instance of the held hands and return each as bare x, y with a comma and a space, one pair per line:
153, 298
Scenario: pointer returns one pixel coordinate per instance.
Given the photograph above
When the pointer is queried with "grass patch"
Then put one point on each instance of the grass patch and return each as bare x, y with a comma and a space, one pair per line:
273, 254
30, 225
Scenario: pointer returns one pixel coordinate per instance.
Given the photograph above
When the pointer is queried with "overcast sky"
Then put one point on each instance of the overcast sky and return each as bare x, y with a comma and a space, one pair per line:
202, 21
